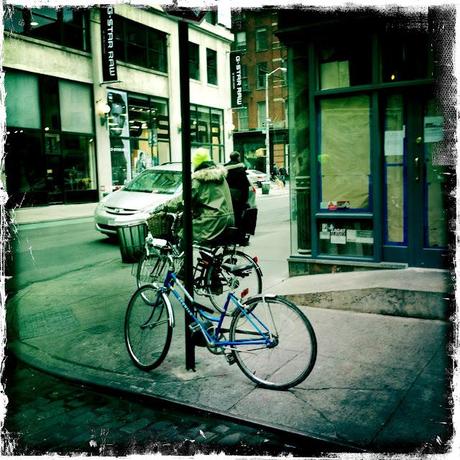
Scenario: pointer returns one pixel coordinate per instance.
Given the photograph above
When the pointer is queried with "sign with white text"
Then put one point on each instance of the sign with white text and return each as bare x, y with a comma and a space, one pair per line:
236, 79
109, 63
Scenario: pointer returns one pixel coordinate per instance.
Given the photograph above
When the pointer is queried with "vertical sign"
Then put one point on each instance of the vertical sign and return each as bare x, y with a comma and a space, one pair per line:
109, 64
236, 79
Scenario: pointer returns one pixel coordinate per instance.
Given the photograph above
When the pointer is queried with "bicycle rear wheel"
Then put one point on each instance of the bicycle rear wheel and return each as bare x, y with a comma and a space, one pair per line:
148, 327
250, 279
292, 356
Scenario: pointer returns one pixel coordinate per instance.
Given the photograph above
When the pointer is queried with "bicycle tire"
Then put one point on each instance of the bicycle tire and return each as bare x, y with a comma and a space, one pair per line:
148, 327
230, 282
291, 360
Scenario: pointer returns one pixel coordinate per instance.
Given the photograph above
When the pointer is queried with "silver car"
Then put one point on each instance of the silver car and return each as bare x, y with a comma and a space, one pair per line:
135, 201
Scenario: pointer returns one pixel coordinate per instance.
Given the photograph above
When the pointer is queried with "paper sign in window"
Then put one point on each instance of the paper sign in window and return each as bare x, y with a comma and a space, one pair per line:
394, 143
433, 129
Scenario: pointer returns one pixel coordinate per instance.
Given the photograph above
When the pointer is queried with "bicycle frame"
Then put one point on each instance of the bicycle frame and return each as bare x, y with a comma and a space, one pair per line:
170, 283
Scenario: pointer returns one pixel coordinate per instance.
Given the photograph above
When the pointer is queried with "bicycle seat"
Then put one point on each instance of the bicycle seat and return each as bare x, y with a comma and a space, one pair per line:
238, 270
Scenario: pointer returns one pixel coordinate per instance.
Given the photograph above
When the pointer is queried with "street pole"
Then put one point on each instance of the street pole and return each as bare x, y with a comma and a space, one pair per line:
267, 131
187, 185
267, 121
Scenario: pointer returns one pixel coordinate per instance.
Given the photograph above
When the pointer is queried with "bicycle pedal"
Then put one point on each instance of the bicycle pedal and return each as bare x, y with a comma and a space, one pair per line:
230, 359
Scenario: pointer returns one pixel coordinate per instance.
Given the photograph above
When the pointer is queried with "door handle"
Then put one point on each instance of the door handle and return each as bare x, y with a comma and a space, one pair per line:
417, 167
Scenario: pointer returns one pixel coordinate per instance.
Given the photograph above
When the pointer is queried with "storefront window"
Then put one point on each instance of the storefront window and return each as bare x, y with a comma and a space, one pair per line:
51, 164
344, 155
75, 107
436, 188
394, 136
79, 165
22, 91
139, 134
345, 62
343, 238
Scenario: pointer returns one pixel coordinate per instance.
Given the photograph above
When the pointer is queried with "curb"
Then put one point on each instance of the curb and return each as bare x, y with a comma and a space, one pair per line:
54, 366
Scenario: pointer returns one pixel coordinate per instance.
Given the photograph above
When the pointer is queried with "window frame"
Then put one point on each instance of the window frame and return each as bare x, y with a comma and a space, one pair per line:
156, 46
211, 70
259, 72
260, 45
62, 27
194, 60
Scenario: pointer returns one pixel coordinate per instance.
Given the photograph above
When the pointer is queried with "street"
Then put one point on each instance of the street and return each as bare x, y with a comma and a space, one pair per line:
47, 250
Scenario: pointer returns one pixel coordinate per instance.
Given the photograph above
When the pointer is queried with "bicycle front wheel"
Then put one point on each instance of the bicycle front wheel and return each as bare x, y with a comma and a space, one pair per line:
219, 282
291, 355
148, 327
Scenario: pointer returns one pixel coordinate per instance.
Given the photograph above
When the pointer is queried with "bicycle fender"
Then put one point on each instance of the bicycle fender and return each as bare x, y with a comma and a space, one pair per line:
170, 309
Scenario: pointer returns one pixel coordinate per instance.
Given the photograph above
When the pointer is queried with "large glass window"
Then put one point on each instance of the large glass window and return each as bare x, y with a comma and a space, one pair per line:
140, 45
344, 155
79, 164
65, 26
211, 61
75, 107
139, 134
344, 63
22, 91
395, 171
207, 130
194, 60
344, 238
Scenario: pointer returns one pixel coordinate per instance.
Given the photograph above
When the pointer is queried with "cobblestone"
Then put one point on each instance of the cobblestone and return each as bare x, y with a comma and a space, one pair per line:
49, 415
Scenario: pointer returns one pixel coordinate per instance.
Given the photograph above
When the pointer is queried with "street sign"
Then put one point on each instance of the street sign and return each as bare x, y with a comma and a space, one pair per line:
109, 63
236, 80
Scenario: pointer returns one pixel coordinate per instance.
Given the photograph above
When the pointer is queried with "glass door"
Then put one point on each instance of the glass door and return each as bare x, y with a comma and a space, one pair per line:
415, 209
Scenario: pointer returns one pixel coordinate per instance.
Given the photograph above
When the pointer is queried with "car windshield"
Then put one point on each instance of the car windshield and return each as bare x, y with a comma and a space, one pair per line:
156, 181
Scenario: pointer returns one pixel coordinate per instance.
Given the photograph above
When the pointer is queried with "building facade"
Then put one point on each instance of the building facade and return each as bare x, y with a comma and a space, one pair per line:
372, 138
261, 53
73, 136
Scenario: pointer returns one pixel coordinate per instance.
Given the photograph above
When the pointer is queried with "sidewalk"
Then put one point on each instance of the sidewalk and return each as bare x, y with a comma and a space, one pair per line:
379, 384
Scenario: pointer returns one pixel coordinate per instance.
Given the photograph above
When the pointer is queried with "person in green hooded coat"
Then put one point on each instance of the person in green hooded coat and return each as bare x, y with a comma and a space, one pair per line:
212, 209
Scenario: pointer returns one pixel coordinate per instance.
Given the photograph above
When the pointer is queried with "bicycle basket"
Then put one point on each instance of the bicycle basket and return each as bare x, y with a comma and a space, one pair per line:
160, 225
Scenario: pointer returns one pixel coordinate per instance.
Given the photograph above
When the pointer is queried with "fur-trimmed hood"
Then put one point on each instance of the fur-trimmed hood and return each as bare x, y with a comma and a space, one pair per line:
211, 174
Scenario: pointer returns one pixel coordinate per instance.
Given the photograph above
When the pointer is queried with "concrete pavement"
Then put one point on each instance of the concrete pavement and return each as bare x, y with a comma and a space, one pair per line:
381, 382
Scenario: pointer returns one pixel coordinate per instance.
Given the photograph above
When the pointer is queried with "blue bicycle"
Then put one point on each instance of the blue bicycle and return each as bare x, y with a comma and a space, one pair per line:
269, 338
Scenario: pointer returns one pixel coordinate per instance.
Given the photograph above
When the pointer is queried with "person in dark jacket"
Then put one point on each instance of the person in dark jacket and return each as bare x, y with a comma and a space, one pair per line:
239, 185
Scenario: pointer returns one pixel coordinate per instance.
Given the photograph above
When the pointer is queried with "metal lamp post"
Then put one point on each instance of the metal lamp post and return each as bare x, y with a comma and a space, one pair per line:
267, 121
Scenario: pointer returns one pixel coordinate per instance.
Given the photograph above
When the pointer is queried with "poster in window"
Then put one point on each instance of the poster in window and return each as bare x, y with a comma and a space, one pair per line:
119, 136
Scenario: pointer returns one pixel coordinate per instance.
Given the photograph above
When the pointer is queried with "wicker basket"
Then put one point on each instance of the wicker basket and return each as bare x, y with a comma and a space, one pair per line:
160, 225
